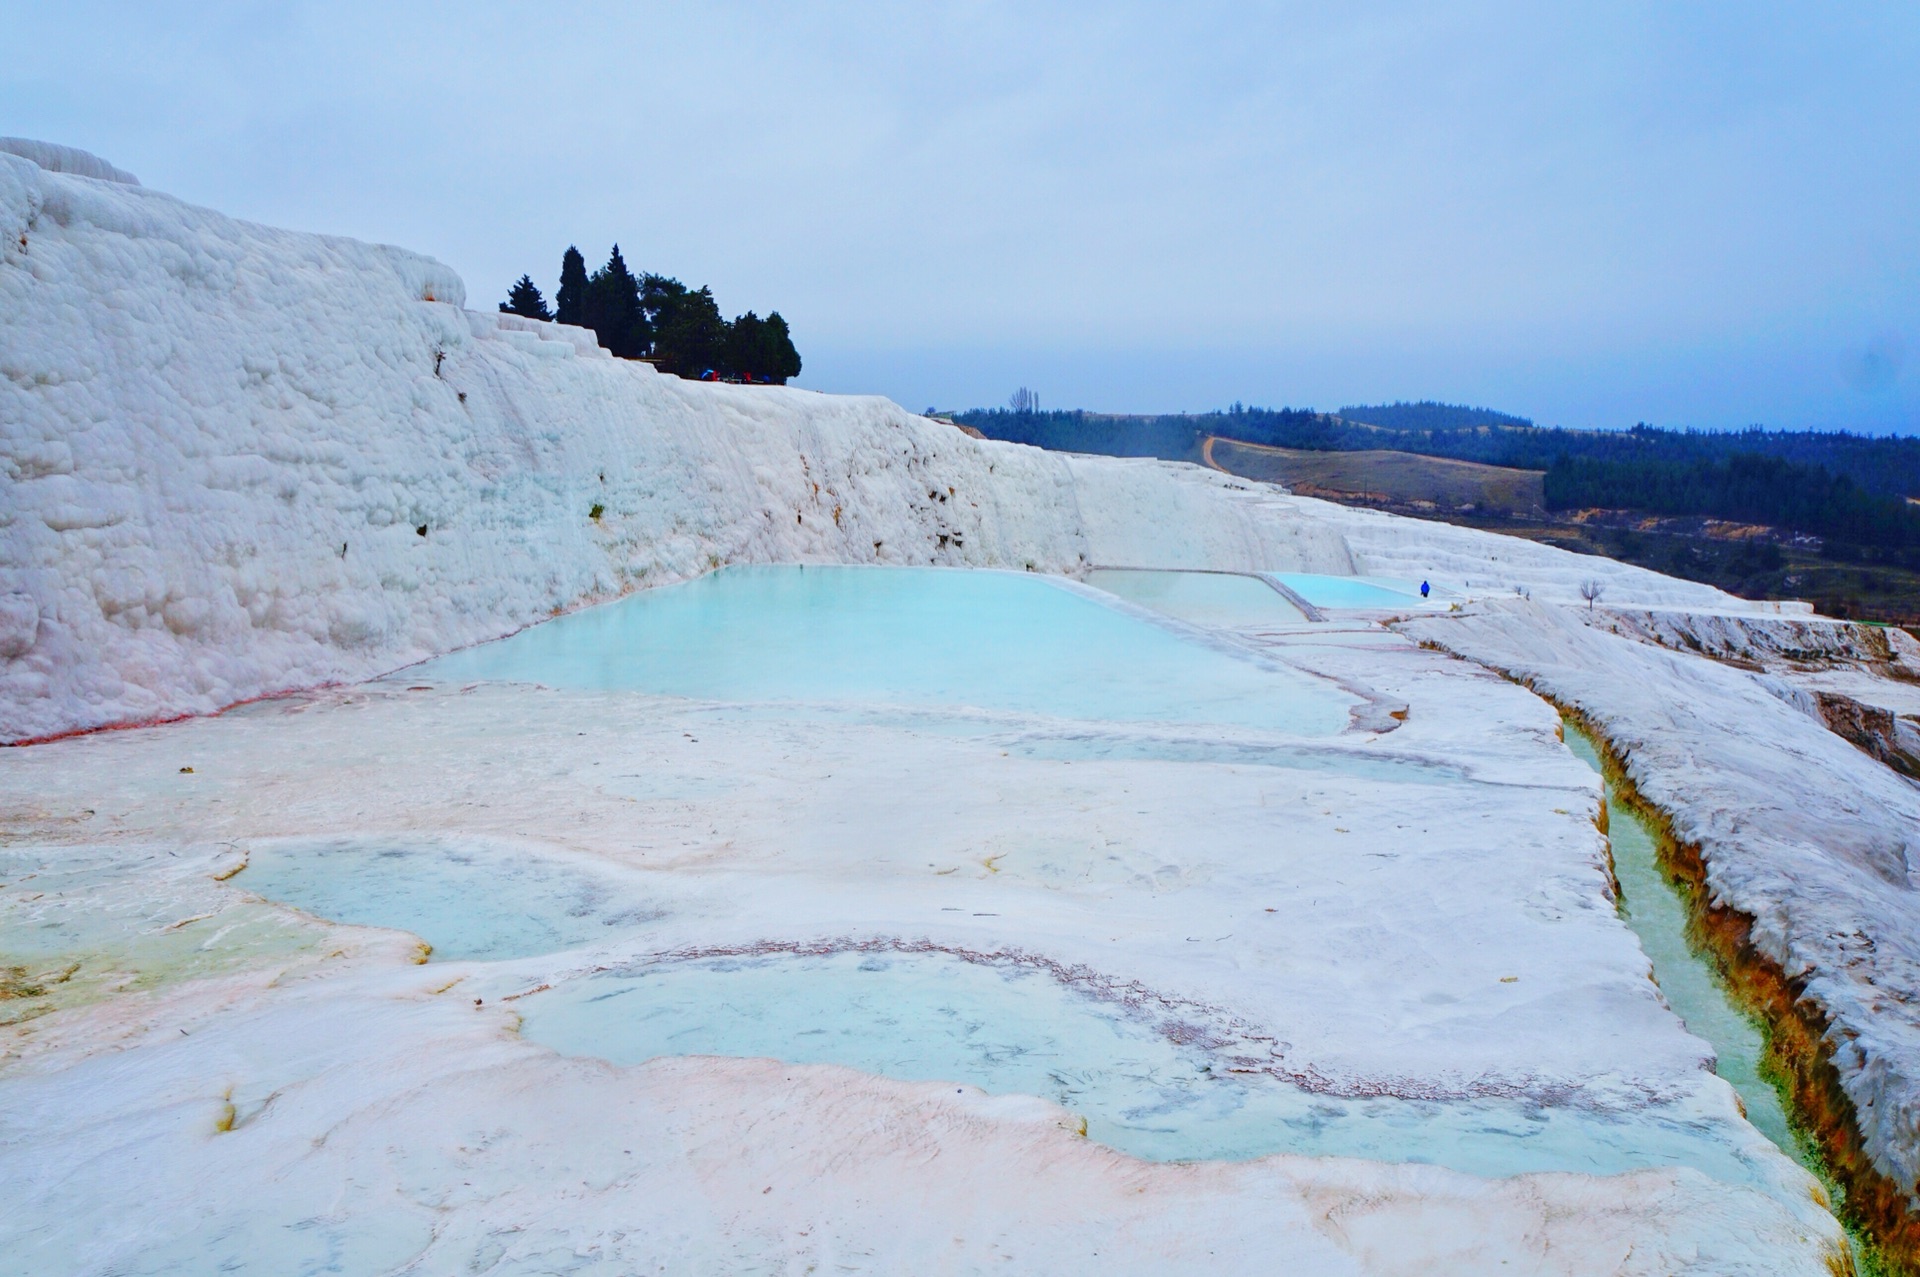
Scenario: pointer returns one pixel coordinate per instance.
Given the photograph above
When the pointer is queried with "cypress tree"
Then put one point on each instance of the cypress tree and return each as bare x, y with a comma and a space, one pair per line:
525, 299
613, 307
569, 303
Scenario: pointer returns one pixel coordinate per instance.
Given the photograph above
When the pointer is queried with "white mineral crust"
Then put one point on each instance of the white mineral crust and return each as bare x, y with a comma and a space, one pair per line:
1799, 830
236, 461
220, 443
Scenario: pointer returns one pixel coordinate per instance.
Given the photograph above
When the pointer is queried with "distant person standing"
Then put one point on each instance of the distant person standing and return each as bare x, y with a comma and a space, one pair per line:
1424, 589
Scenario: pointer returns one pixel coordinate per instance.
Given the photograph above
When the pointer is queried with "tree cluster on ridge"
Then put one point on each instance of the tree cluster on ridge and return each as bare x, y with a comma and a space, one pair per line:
658, 318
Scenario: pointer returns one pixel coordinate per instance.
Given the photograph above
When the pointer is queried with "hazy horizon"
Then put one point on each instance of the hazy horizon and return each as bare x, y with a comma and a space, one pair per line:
1700, 218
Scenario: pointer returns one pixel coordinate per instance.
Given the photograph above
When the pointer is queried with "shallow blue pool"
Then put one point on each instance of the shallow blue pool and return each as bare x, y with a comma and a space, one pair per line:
1143, 1078
928, 637
1012, 1029
466, 902
1353, 591
1205, 598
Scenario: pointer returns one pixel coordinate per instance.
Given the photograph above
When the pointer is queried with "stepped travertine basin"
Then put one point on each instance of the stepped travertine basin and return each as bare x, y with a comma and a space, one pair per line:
1157, 1081
464, 902
1375, 593
1146, 1083
935, 911
1205, 598
1010, 1029
978, 834
849, 636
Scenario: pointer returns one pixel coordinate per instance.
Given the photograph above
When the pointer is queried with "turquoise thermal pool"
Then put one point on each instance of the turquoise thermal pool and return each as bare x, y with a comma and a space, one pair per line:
920, 637
1205, 598
877, 641
465, 902
1354, 591
1014, 1029
1147, 1086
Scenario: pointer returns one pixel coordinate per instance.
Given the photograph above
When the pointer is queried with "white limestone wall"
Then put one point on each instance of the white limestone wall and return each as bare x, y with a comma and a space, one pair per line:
219, 443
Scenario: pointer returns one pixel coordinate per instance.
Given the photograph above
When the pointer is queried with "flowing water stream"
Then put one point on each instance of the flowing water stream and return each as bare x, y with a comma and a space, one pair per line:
1658, 915
1657, 912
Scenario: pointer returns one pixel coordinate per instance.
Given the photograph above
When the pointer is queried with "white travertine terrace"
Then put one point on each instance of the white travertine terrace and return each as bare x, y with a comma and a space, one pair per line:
237, 461
221, 440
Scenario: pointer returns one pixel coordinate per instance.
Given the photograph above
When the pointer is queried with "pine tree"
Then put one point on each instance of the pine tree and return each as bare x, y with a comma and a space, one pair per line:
746, 353
783, 359
569, 303
660, 298
613, 307
760, 349
525, 299
695, 338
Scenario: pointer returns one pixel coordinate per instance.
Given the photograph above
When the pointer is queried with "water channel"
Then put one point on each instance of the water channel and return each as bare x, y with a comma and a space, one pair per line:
1655, 909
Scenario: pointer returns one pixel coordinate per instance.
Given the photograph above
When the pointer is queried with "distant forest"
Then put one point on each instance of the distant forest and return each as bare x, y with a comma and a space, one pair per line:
1428, 415
1747, 487
659, 318
1848, 489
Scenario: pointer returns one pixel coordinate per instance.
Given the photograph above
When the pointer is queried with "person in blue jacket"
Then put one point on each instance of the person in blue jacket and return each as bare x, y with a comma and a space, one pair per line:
1424, 587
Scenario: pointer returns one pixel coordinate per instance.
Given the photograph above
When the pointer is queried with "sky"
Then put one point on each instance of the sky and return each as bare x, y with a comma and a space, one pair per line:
1702, 214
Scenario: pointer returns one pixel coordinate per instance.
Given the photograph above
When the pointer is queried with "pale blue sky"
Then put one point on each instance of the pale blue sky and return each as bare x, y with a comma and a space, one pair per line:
1701, 213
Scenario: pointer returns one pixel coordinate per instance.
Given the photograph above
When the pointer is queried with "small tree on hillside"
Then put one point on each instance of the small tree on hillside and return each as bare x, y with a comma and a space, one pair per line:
746, 350
524, 299
761, 349
783, 359
569, 301
613, 307
660, 298
1591, 590
695, 338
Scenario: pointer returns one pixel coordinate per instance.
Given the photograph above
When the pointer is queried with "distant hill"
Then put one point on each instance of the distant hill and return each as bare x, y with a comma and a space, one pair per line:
1844, 486
1834, 504
1402, 482
1428, 415
1637, 514
1888, 465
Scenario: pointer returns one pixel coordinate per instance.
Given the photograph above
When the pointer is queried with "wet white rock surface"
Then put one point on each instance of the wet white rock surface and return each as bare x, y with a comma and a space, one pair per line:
235, 460
1799, 830
1413, 926
239, 460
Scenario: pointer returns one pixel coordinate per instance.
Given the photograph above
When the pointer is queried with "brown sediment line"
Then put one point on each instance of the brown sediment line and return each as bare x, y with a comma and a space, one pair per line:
1796, 1046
